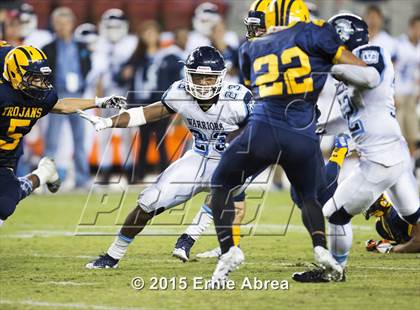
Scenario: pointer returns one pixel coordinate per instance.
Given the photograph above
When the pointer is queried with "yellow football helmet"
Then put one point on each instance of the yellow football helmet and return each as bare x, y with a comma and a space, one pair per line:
263, 15
26, 69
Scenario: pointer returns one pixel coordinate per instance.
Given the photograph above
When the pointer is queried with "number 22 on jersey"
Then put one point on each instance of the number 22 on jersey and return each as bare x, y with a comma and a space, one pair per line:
268, 82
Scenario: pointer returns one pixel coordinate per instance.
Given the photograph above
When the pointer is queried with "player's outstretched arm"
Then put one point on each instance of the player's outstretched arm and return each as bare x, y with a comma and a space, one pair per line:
73, 105
134, 117
365, 77
413, 245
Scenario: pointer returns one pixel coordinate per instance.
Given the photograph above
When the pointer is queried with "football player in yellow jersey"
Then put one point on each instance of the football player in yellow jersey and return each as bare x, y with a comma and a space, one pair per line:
26, 95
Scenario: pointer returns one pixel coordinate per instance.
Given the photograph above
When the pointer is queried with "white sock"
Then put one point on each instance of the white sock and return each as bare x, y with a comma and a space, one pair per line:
340, 238
119, 247
200, 222
42, 174
1, 222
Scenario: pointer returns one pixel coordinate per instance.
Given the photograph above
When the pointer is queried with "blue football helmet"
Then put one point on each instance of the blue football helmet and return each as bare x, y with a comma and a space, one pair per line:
352, 29
204, 61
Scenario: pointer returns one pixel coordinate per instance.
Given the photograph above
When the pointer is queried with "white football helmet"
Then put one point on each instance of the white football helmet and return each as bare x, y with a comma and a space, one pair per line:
206, 16
88, 34
113, 25
28, 20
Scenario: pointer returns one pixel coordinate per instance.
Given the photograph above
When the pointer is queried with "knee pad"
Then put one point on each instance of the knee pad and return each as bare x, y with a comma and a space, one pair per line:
7, 207
148, 198
414, 218
340, 217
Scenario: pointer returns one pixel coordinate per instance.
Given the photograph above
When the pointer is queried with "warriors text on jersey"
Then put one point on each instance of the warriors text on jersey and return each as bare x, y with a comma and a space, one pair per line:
210, 128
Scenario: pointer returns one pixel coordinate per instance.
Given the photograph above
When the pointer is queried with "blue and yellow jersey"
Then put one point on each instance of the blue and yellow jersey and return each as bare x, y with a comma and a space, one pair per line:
18, 113
286, 70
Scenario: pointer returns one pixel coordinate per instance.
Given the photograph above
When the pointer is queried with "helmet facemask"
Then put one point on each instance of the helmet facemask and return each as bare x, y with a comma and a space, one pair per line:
255, 25
203, 83
36, 85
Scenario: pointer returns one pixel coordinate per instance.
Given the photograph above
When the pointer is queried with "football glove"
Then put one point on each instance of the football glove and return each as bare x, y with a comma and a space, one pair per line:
99, 123
381, 246
111, 102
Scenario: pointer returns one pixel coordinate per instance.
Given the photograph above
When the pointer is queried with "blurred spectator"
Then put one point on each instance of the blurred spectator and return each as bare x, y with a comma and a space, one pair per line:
230, 54
206, 17
142, 71
30, 33
87, 34
12, 28
377, 35
169, 63
70, 61
313, 10
407, 86
114, 48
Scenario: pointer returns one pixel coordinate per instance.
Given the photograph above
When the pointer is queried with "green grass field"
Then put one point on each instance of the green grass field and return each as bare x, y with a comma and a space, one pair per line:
42, 261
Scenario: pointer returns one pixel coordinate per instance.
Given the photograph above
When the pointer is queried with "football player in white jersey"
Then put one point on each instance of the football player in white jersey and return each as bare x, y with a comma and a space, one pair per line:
367, 102
212, 110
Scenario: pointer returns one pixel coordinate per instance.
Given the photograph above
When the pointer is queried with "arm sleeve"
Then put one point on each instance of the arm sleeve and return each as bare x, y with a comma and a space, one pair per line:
373, 57
367, 77
321, 40
245, 111
51, 99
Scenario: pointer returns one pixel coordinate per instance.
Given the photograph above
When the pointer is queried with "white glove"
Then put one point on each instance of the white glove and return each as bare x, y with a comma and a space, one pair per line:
116, 102
100, 123
384, 246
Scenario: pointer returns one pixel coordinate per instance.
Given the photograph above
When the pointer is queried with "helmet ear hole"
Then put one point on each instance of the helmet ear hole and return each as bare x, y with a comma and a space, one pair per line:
13, 74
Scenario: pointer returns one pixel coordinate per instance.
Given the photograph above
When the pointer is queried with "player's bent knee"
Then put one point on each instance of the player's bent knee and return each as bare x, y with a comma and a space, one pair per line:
414, 218
340, 217
7, 207
148, 199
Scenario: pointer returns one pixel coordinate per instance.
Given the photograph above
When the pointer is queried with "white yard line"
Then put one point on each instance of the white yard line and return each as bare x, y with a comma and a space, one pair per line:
46, 304
307, 264
275, 229
70, 283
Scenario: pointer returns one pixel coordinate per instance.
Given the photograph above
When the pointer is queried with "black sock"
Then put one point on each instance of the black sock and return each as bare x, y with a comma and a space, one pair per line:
313, 219
223, 215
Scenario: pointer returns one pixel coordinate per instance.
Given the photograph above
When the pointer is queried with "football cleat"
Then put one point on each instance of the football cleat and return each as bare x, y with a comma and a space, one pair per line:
228, 262
333, 270
319, 274
378, 208
47, 174
182, 247
210, 254
103, 262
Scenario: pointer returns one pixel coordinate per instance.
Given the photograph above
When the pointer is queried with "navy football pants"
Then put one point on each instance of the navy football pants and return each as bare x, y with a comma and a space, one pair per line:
259, 146
12, 190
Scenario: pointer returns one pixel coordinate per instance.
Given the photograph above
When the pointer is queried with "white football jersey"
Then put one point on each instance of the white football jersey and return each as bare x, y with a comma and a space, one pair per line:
370, 113
210, 128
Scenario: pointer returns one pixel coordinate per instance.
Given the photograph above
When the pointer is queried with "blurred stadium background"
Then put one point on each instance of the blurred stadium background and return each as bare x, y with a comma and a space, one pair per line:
104, 47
